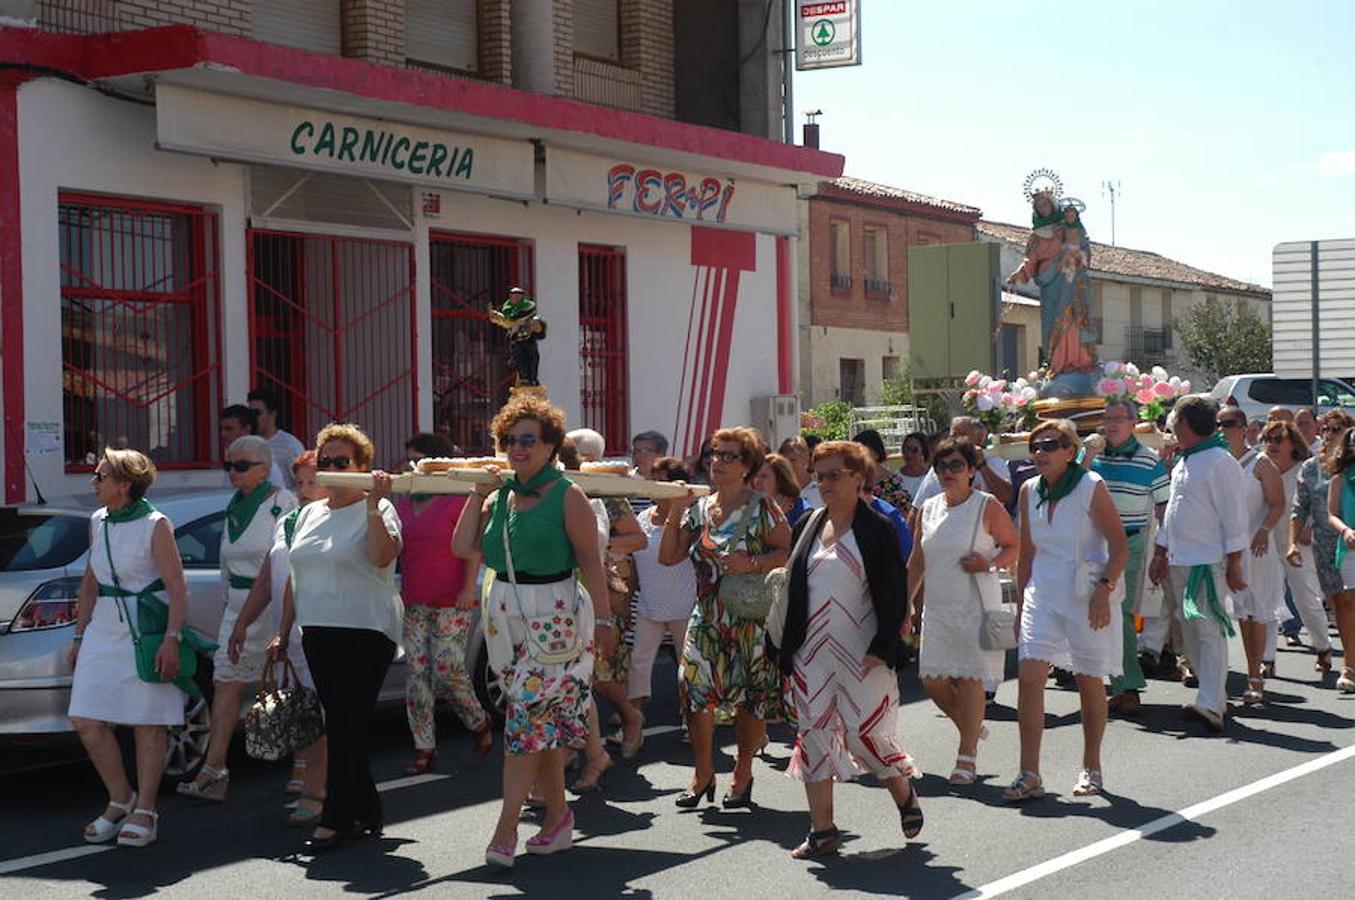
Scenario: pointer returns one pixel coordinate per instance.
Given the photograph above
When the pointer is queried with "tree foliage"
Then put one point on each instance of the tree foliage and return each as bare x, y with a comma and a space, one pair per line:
1225, 339
829, 421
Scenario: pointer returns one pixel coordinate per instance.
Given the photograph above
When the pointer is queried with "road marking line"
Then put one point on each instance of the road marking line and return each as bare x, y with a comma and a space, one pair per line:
655, 730
53, 856
409, 781
1189, 814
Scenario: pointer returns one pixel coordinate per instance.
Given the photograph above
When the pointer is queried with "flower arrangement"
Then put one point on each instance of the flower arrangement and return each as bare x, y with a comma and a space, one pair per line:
1154, 391
1000, 405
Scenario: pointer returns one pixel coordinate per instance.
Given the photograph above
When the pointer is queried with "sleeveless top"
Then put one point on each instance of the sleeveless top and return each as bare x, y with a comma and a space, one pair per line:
241, 560
1255, 496
1062, 545
540, 543
130, 543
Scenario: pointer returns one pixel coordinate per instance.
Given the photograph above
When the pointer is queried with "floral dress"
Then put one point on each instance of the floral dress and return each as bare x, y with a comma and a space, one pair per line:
891, 489
724, 662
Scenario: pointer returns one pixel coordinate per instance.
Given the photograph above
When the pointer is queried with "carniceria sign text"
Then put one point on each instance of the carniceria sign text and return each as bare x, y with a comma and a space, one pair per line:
383, 148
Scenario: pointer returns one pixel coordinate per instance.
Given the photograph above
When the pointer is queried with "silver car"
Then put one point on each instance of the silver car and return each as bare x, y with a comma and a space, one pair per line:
43, 551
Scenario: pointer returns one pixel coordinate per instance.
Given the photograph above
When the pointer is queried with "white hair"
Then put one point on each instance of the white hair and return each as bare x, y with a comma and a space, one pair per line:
589, 443
251, 447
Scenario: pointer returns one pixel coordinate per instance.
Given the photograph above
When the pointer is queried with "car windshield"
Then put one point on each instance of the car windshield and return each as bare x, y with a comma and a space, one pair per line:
31, 541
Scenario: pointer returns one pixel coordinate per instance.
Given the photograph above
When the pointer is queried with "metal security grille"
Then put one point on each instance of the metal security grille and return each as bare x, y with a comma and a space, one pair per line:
602, 344
332, 333
470, 276
140, 339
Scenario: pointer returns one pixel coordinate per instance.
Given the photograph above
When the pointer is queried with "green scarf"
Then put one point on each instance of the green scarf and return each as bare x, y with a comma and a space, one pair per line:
1126, 450
1039, 221
1190, 604
131, 512
241, 509
532, 488
420, 497
1066, 484
1214, 440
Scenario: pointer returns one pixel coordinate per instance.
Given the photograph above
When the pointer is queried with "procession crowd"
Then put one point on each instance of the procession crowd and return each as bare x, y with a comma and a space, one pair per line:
794, 588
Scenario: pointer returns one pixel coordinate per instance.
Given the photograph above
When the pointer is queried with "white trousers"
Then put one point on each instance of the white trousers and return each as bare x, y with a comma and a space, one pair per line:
1206, 642
648, 636
1306, 592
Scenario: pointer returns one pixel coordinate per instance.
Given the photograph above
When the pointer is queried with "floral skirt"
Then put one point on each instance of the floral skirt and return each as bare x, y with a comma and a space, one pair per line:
725, 666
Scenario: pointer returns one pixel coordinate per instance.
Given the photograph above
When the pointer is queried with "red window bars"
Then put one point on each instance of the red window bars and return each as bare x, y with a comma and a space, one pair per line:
471, 275
332, 334
603, 372
140, 329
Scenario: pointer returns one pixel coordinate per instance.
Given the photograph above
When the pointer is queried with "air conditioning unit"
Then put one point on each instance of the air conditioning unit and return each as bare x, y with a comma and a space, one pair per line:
777, 417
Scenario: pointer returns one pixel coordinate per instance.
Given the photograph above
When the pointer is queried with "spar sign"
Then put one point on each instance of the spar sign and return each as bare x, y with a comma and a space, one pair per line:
827, 35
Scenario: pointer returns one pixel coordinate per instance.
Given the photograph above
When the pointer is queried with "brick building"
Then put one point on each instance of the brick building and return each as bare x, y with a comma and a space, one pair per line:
326, 198
854, 282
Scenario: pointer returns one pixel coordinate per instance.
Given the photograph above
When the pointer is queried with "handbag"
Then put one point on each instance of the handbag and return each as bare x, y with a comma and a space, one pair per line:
749, 595
998, 631
553, 638
284, 718
780, 577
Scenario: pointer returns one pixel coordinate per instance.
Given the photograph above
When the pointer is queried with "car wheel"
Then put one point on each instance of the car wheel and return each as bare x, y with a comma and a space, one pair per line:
188, 742
487, 687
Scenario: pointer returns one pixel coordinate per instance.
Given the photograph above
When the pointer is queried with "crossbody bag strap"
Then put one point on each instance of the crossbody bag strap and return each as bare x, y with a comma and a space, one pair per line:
973, 548
117, 585
508, 547
811, 527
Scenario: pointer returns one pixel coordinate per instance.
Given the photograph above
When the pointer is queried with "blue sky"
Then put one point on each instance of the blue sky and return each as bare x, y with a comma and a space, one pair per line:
1229, 126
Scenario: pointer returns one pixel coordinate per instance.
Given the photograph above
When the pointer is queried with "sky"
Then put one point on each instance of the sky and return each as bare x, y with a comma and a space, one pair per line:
1228, 126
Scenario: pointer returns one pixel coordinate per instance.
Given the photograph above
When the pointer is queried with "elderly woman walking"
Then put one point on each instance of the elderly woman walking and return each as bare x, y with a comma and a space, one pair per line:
966, 537
133, 581
343, 574
251, 518
1073, 553
848, 599
540, 629
725, 672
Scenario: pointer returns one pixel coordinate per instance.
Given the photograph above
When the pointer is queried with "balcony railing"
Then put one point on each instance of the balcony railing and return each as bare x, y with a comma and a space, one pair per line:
878, 288
840, 282
1148, 344
79, 16
606, 84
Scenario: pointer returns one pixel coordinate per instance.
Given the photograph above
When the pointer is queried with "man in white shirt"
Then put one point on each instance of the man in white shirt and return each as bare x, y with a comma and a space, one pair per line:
994, 475
1199, 548
236, 421
286, 447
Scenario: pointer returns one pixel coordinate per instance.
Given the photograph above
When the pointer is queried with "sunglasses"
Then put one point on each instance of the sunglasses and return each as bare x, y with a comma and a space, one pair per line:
1231, 423
1332, 429
943, 466
333, 462
832, 476
525, 441
1047, 445
239, 465
100, 476
1275, 439
727, 456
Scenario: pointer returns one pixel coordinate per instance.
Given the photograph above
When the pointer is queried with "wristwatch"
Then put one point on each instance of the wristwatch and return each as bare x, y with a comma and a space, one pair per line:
173, 633
1106, 581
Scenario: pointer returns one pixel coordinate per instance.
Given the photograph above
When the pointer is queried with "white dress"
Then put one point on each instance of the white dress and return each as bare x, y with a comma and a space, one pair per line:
952, 616
1054, 620
1264, 595
280, 572
105, 686
243, 559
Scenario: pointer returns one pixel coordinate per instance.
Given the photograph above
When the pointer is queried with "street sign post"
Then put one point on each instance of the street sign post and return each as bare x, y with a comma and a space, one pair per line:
827, 34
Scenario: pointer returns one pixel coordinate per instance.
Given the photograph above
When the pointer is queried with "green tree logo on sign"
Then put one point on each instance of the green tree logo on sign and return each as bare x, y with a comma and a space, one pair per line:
823, 32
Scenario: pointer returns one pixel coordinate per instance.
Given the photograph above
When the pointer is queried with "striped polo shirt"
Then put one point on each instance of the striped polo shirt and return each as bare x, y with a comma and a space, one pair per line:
1131, 480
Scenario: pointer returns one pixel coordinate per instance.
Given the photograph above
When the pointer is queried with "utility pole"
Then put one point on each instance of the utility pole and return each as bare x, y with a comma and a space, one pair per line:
1111, 189
788, 70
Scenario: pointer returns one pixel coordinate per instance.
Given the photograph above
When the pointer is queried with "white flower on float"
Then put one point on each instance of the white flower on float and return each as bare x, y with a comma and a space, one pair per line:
984, 402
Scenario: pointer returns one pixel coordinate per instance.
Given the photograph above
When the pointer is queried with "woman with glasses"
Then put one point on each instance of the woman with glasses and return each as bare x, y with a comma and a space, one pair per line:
847, 603
1288, 450
534, 529
725, 672
916, 458
966, 537
251, 516
1340, 459
1073, 553
1257, 606
348, 606
133, 561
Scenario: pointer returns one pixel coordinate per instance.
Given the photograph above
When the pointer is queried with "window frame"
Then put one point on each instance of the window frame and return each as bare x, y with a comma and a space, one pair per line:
839, 279
877, 288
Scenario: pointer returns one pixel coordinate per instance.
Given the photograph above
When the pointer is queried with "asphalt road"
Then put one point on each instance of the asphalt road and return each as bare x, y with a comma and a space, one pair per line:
1255, 824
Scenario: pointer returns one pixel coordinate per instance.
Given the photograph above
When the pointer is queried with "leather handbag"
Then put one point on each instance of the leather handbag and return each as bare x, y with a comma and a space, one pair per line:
747, 596
776, 615
285, 717
998, 631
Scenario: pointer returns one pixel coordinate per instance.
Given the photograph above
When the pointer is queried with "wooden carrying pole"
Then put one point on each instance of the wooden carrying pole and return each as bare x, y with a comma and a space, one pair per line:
463, 481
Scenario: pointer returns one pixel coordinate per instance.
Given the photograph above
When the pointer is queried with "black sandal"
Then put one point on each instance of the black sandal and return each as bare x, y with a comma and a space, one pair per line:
818, 844
910, 815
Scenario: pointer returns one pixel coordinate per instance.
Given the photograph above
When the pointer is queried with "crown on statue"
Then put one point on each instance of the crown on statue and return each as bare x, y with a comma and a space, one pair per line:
1043, 182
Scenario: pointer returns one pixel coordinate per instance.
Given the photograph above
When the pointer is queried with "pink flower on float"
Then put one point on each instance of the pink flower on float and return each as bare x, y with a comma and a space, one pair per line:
1107, 387
969, 396
1164, 390
1185, 386
1145, 395
999, 385
972, 378
985, 382
1009, 401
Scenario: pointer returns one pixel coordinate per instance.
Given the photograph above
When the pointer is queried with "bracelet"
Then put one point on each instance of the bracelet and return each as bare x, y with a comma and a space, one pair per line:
604, 623
77, 637
173, 633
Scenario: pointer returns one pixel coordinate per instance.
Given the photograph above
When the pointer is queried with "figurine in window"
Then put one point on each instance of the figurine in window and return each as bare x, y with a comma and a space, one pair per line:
518, 317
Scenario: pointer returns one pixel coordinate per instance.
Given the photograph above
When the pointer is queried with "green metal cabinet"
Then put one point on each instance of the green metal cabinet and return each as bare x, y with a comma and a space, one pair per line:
953, 295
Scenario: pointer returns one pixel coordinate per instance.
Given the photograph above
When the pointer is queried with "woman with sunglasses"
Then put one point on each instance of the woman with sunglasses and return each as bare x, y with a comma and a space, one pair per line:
348, 606
966, 537
848, 600
1340, 457
1257, 606
251, 516
725, 672
1068, 521
1288, 450
534, 529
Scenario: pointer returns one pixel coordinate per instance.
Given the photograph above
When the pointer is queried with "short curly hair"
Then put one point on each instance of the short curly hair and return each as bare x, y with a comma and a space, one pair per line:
133, 467
856, 456
750, 446
363, 449
537, 409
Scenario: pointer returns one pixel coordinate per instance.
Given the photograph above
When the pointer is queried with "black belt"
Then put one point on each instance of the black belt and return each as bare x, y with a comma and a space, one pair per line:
533, 578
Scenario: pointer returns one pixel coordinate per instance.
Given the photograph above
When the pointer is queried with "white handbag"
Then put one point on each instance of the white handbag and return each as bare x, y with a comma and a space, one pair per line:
1089, 574
999, 625
780, 578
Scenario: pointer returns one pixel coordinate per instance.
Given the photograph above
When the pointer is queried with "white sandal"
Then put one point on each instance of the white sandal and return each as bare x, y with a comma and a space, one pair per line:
134, 835
213, 788
1027, 786
296, 784
964, 776
104, 828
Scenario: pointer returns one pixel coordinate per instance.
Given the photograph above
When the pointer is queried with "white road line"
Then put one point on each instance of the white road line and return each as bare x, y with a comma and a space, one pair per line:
409, 781
54, 856
1189, 814
655, 730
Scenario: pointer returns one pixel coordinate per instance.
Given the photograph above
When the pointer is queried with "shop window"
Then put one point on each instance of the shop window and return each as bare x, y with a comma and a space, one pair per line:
332, 333
305, 24
852, 381
597, 29
442, 34
876, 241
140, 320
840, 276
602, 344
471, 275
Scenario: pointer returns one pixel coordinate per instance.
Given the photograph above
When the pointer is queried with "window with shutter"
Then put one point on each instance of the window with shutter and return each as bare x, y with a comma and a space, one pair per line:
597, 28
442, 33
307, 24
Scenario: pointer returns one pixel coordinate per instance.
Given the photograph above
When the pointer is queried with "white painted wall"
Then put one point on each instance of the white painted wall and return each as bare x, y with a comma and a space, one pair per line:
827, 345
